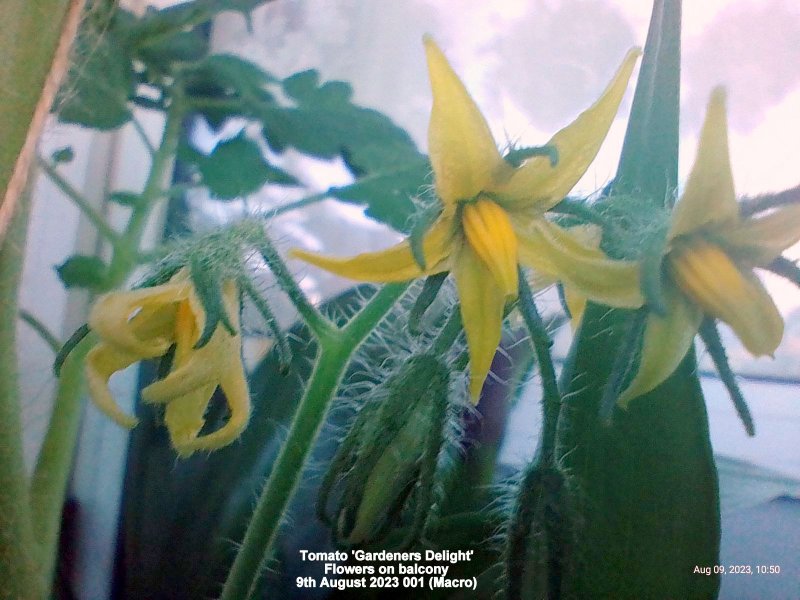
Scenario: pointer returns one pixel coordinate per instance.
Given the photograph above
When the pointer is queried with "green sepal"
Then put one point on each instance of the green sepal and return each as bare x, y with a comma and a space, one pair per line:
646, 490
517, 156
425, 219
75, 339
209, 292
263, 307
624, 365
652, 273
711, 338
426, 297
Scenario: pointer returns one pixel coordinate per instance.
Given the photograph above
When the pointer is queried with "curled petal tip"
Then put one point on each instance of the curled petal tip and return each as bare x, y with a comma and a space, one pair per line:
635, 51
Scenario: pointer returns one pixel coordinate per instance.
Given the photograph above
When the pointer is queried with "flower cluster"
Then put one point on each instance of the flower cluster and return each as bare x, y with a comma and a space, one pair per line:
493, 218
493, 215
167, 321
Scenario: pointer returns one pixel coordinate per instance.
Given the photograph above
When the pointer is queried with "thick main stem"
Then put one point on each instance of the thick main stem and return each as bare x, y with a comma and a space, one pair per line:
19, 576
51, 475
334, 355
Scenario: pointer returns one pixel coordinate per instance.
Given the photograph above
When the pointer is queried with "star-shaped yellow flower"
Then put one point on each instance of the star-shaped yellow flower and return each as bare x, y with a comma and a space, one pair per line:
493, 215
144, 324
709, 260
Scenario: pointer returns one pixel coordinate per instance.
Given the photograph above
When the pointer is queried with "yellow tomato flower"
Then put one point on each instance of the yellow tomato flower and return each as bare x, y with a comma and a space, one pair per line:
709, 261
144, 324
493, 215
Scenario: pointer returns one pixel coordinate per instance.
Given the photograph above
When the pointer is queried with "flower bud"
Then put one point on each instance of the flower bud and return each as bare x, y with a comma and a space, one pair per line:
390, 455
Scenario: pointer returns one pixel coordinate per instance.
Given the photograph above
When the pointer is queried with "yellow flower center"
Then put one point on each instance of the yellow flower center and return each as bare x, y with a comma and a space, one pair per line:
706, 274
489, 232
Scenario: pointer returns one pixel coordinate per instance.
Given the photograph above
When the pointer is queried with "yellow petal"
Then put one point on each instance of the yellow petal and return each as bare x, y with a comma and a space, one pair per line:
490, 233
102, 362
710, 279
482, 304
576, 303
667, 339
184, 417
139, 321
759, 241
709, 196
195, 368
561, 255
394, 264
461, 147
537, 183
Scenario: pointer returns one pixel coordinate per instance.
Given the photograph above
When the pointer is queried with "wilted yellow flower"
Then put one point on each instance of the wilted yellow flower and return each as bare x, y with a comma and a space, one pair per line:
144, 324
710, 256
493, 215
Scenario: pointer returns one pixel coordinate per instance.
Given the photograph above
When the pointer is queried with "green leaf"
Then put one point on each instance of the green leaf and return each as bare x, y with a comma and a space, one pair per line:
388, 195
100, 81
184, 46
168, 21
63, 155
325, 123
88, 272
235, 168
223, 86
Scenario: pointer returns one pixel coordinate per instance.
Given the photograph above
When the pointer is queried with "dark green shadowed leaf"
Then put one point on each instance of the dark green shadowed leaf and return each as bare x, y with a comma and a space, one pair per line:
223, 86
323, 122
389, 194
235, 168
63, 155
87, 272
100, 81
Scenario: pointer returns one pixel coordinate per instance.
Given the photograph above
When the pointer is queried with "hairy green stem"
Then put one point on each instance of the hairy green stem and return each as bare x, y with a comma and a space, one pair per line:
302, 203
551, 397
126, 251
334, 355
19, 575
51, 474
83, 204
